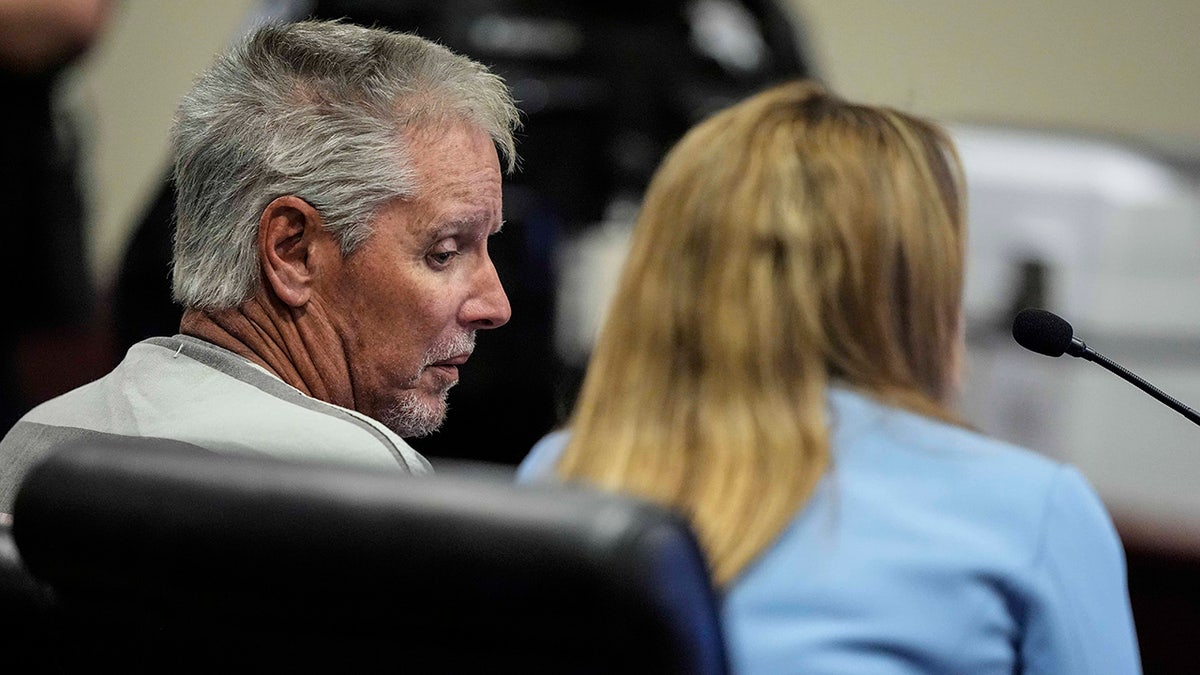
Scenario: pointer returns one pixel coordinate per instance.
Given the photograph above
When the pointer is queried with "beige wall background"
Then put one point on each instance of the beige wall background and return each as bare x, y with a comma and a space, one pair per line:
124, 93
1106, 65
1131, 68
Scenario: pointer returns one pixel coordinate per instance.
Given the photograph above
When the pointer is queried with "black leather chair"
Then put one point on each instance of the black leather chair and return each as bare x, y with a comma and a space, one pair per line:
26, 613
168, 558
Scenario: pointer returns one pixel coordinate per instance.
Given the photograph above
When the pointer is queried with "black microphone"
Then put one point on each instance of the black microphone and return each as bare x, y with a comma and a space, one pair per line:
1047, 333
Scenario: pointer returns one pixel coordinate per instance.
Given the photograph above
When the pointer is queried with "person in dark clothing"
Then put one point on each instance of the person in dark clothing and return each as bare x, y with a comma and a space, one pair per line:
52, 340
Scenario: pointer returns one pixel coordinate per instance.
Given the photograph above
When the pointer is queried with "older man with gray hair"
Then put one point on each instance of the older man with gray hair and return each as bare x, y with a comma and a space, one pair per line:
337, 186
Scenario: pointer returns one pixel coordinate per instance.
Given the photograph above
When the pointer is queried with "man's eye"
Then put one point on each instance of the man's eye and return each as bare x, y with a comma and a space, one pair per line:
443, 258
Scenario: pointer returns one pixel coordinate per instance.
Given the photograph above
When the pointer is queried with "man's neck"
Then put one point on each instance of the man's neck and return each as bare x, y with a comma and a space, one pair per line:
278, 339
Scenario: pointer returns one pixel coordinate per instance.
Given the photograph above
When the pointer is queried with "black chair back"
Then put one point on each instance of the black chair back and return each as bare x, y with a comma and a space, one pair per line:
169, 557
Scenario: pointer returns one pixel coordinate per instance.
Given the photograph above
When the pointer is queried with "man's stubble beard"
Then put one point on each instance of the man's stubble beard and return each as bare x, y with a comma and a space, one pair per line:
413, 415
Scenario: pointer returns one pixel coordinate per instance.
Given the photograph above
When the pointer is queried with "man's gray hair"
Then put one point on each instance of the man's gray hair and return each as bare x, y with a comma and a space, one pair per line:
312, 109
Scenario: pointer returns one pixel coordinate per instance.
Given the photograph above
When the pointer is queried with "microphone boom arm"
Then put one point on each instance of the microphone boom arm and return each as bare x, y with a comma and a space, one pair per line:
1120, 371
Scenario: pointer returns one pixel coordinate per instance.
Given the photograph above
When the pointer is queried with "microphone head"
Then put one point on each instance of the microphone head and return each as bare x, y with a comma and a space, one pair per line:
1043, 332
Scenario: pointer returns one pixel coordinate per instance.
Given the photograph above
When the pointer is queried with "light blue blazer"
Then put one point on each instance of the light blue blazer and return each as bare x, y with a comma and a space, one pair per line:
928, 548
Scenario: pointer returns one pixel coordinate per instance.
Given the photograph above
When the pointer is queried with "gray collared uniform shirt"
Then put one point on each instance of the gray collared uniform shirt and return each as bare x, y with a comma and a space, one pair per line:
186, 390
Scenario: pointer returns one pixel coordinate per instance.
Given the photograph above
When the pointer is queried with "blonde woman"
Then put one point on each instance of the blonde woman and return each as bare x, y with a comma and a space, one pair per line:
779, 363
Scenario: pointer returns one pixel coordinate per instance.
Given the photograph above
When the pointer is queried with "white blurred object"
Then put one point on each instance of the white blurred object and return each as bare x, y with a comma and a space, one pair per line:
588, 266
1107, 235
727, 32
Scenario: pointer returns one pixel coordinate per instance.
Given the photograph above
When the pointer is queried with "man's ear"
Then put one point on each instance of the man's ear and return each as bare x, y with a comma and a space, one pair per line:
291, 238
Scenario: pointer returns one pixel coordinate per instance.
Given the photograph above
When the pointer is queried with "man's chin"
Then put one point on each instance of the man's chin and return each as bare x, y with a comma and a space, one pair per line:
415, 415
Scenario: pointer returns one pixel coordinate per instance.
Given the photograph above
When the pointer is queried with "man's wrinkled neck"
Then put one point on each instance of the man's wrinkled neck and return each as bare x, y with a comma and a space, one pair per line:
280, 339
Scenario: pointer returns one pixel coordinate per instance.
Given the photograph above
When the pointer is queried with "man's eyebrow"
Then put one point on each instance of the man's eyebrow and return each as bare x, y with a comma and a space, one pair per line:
468, 223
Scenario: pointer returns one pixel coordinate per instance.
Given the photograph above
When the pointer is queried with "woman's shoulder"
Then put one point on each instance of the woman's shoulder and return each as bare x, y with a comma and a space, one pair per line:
867, 433
928, 532
906, 494
538, 465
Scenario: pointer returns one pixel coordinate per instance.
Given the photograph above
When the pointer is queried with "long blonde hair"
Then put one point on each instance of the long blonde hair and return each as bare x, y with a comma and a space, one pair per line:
789, 241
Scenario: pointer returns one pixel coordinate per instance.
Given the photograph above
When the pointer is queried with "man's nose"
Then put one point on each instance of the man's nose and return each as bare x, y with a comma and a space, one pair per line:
487, 307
